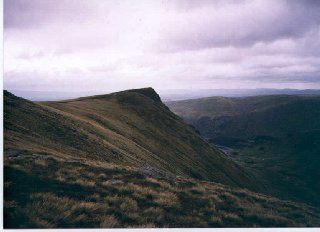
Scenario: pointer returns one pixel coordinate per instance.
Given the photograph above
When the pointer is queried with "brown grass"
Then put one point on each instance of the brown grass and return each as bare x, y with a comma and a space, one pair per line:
81, 195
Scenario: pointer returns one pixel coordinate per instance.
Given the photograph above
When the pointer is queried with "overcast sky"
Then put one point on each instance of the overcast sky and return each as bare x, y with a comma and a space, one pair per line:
106, 45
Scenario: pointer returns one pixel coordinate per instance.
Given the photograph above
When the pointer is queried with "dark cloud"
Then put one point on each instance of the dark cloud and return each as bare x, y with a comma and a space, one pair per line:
23, 14
243, 24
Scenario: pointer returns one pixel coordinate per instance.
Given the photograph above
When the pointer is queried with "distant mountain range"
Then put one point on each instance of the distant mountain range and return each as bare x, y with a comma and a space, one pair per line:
125, 160
174, 95
166, 95
277, 137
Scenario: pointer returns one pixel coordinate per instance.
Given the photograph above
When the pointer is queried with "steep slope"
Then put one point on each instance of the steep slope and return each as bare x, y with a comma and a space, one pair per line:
276, 136
125, 160
132, 127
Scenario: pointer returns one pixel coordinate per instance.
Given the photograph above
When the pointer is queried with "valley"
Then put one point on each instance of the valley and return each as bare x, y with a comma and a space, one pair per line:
276, 137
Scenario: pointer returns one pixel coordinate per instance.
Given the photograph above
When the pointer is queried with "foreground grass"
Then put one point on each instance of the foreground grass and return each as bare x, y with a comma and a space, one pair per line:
43, 191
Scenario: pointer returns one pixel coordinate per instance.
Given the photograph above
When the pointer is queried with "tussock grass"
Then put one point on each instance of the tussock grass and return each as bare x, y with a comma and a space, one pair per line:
83, 195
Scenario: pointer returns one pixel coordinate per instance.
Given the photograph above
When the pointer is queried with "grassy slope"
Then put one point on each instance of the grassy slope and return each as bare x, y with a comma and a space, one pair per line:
277, 136
113, 161
44, 191
131, 127
126, 127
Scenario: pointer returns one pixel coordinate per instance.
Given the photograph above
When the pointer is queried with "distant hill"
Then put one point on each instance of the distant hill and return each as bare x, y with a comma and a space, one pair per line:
125, 160
276, 136
166, 95
185, 94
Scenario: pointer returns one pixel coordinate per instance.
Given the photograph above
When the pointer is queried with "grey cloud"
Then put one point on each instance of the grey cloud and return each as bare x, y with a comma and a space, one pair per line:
283, 19
190, 5
28, 56
97, 44
24, 14
307, 78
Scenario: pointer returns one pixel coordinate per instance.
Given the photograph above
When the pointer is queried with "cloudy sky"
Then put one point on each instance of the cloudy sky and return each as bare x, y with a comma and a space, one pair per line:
107, 45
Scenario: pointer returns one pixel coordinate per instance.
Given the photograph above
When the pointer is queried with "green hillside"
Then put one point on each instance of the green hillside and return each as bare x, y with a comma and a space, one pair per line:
277, 137
125, 160
131, 127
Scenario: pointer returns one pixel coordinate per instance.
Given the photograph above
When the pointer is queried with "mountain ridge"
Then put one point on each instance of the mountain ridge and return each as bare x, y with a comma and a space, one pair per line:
144, 131
125, 160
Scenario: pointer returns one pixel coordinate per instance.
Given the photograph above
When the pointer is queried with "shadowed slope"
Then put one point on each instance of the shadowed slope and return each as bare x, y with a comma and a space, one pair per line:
276, 136
130, 127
